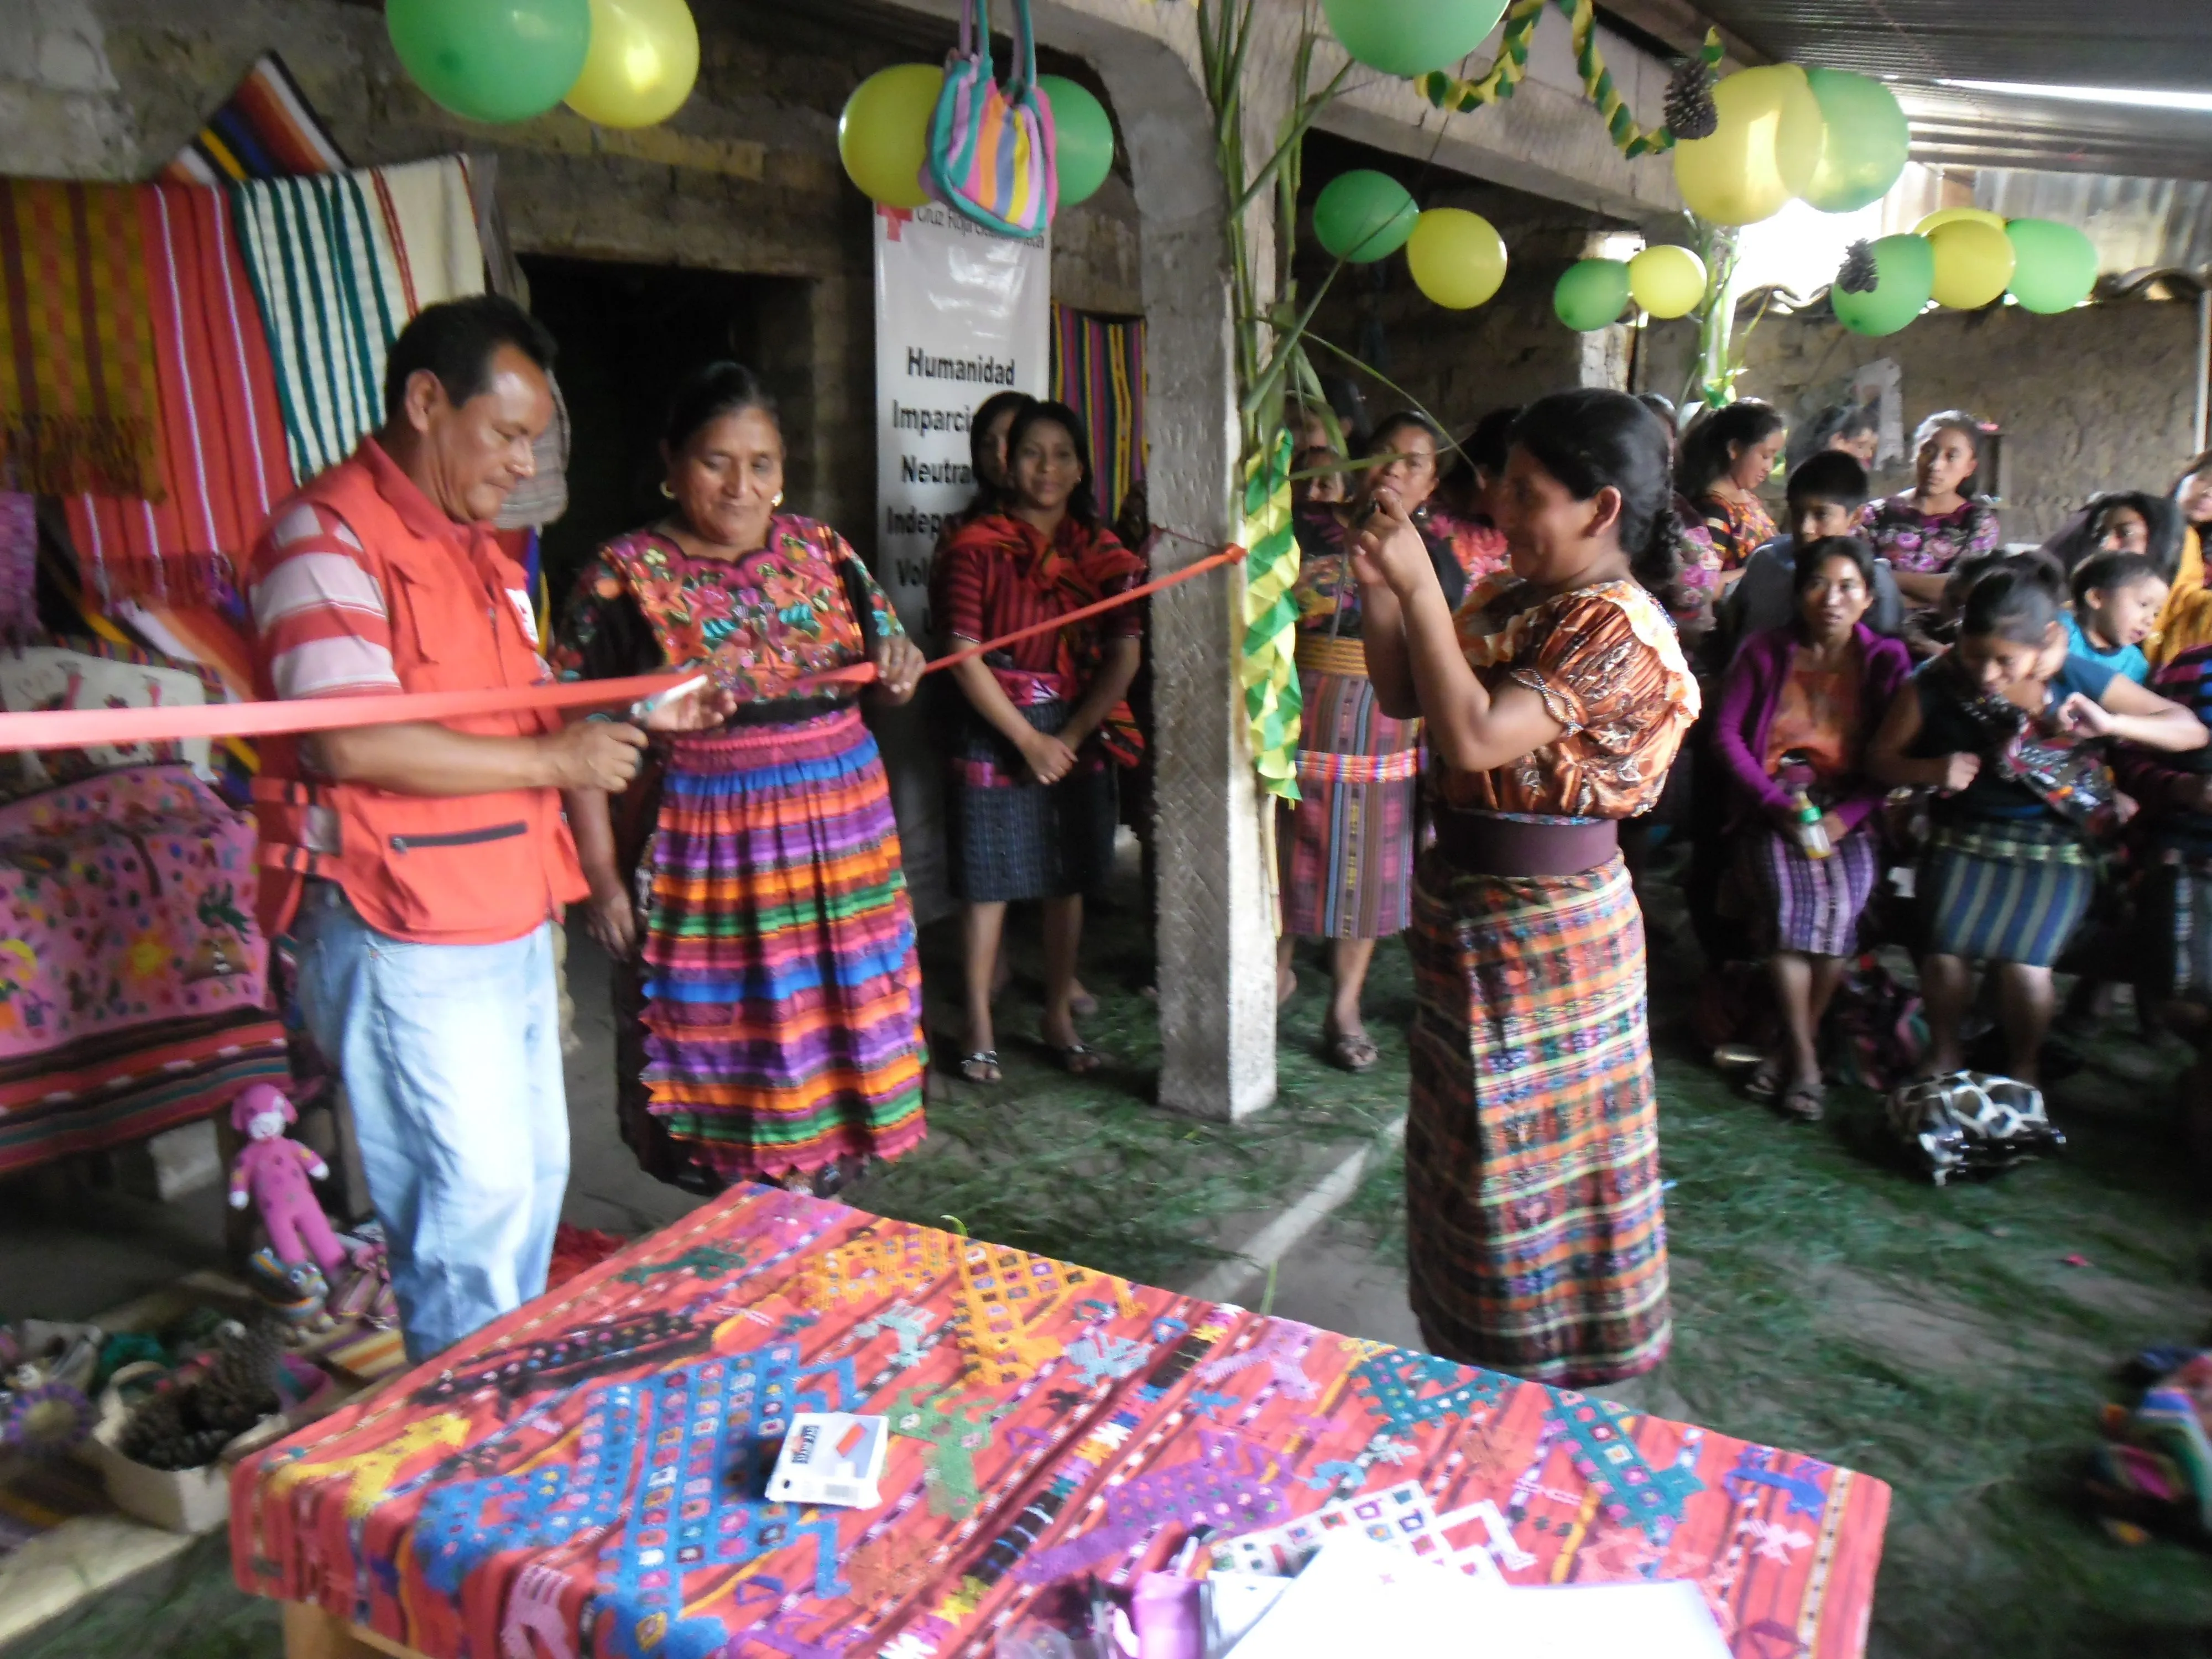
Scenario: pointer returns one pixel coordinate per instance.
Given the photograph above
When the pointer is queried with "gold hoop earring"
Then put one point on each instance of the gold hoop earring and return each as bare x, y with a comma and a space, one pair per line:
666, 491
777, 500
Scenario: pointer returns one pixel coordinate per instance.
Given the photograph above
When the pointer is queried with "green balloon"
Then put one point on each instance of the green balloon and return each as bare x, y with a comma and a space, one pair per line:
1083, 138
2054, 265
1868, 141
1411, 37
1364, 215
1592, 293
492, 60
1906, 269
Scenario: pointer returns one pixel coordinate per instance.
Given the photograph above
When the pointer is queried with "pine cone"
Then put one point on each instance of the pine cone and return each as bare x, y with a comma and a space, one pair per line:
1689, 107
240, 1388
153, 1427
1861, 273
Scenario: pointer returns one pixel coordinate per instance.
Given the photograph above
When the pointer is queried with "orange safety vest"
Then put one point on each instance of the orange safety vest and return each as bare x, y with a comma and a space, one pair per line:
450, 870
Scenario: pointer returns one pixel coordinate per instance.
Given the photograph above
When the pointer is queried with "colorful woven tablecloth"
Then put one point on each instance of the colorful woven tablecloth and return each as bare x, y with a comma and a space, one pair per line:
583, 1478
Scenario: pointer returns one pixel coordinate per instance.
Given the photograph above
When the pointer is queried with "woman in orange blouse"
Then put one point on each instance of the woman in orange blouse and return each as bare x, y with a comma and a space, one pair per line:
1555, 701
1726, 456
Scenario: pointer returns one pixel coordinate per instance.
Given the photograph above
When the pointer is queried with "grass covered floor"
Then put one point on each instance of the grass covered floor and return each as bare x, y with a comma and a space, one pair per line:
1826, 1300
1829, 1300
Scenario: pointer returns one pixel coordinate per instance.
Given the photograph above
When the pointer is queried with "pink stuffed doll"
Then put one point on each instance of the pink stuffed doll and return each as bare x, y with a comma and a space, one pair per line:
274, 1170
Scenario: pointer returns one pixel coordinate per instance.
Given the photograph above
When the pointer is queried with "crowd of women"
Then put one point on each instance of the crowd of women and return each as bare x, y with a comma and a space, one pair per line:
1526, 658
1893, 730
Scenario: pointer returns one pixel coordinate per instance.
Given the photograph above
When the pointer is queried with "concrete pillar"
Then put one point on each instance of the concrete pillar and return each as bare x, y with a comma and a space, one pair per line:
1602, 357
1215, 927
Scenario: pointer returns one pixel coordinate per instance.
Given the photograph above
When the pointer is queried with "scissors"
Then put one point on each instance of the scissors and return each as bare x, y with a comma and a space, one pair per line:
644, 707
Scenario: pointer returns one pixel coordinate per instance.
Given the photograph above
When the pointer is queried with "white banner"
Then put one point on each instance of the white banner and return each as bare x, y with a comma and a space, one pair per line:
960, 314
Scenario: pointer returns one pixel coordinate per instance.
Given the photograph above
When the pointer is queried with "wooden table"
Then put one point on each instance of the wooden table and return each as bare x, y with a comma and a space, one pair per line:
583, 1478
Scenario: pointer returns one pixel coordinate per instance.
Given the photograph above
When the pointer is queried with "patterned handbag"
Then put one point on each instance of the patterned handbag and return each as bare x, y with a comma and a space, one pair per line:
991, 147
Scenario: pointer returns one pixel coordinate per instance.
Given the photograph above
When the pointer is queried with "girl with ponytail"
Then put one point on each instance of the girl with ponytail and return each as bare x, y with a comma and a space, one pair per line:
1555, 699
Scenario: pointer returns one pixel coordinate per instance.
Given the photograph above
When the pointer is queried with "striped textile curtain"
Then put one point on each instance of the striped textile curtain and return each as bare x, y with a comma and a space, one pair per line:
1098, 371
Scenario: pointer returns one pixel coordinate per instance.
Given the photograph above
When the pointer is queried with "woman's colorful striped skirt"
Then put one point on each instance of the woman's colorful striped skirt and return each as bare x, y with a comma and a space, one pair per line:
781, 1000
1536, 1232
1347, 844
2006, 889
1808, 905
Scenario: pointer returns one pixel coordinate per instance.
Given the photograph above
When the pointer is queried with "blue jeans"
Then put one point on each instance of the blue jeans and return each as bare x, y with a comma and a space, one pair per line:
452, 1060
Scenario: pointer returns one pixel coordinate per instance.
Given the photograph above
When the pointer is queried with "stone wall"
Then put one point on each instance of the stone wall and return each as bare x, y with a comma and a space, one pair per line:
2099, 398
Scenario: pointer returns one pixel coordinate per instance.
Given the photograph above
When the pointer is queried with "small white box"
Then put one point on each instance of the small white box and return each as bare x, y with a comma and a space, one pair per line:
831, 1457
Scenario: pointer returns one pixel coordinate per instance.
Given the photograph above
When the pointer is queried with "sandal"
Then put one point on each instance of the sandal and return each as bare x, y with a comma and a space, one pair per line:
1764, 1084
1353, 1054
1804, 1101
982, 1066
1076, 1059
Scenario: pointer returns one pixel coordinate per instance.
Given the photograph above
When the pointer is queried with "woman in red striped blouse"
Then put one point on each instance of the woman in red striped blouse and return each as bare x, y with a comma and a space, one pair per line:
1044, 721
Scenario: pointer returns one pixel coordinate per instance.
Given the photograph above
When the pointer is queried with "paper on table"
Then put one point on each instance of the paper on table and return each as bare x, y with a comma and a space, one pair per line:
1235, 1601
1358, 1596
1601, 1621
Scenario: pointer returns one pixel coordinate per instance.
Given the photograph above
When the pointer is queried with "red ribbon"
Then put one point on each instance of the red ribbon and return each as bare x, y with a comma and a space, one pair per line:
122, 728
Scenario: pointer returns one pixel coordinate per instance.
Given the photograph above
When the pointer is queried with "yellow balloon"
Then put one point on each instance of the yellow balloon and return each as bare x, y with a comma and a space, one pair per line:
1667, 281
643, 58
1973, 264
1457, 258
1765, 150
882, 136
1958, 215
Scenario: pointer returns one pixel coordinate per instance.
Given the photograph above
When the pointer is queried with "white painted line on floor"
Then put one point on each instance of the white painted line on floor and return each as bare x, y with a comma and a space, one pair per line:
1223, 1282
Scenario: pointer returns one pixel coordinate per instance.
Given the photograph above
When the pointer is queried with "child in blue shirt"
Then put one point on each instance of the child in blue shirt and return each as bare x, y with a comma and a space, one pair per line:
2116, 599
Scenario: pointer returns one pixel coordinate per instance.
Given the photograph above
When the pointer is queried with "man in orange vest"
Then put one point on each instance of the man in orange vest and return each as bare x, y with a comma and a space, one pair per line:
418, 868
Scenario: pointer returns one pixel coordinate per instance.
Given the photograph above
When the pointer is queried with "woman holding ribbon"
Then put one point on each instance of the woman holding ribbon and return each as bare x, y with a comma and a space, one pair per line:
1347, 843
748, 884
1554, 703
1044, 721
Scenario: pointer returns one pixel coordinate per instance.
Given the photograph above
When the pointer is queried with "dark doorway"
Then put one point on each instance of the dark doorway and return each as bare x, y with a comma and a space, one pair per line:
629, 335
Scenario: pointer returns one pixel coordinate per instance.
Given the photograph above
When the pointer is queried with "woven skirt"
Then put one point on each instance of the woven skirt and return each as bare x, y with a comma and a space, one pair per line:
1346, 847
780, 999
1808, 905
2172, 937
1028, 841
1536, 1232
2001, 889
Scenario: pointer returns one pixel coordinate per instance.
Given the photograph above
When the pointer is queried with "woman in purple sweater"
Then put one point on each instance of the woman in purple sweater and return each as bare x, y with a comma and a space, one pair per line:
1796, 710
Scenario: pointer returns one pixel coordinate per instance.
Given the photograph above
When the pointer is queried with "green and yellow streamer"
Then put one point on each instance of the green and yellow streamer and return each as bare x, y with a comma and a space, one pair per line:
1506, 71
1269, 669
1511, 68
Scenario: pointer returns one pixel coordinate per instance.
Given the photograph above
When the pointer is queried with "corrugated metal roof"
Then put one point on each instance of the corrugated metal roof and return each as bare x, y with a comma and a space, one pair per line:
2162, 44
2128, 43
2138, 224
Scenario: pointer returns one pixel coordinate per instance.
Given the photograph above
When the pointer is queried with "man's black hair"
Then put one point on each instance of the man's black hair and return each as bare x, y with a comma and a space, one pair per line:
1829, 475
455, 341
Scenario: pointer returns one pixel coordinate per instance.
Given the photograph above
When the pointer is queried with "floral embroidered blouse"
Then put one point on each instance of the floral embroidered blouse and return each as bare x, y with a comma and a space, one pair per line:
1326, 593
1931, 544
1478, 544
1736, 529
1605, 662
757, 621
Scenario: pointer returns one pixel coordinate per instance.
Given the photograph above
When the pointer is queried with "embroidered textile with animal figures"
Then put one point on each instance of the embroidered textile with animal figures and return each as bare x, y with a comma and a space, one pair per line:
125, 900
585, 1479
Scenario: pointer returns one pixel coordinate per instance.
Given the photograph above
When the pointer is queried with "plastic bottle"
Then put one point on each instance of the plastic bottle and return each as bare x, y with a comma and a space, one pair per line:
1812, 832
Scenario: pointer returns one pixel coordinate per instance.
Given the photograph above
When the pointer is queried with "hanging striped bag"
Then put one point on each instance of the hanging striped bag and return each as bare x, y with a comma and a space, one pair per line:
991, 147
